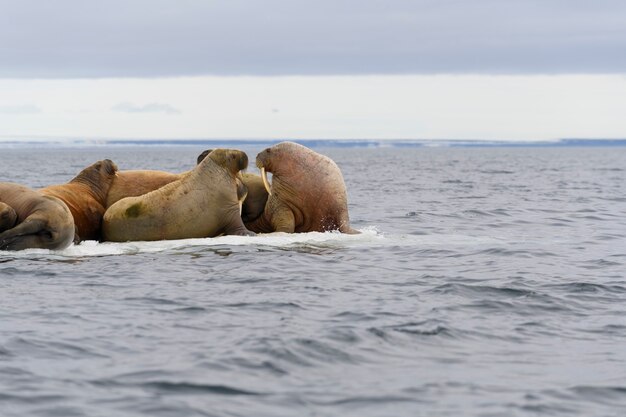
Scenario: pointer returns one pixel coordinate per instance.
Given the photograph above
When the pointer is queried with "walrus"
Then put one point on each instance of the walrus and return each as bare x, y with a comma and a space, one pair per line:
86, 195
42, 222
206, 202
254, 204
255, 201
8, 217
131, 183
307, 193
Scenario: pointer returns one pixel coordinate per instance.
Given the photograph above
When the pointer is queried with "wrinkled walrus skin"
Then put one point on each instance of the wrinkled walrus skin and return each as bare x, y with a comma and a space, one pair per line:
307, 193
203, 203
254, 204
86, 195
43, 222
132, 183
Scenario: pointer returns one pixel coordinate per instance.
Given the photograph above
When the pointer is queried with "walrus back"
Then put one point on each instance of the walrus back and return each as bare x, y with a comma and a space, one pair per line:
199, 204
134, 183
149, 218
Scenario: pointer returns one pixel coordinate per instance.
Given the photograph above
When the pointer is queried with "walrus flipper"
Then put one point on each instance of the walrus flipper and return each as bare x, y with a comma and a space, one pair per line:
237, 228
28, 234
283, 220
32, 233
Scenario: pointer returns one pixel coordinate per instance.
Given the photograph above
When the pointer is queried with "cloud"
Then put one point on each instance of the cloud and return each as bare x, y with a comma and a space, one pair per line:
154, 38
20, 109
127, 107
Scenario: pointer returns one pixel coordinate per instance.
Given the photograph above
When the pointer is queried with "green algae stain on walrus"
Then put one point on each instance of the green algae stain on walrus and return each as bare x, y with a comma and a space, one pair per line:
134, 210
205, 202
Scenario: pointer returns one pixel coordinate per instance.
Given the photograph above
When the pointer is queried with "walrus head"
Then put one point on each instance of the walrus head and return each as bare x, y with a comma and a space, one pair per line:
283, 157
98, 177
96, 172
231, 159
203, 155
107, 167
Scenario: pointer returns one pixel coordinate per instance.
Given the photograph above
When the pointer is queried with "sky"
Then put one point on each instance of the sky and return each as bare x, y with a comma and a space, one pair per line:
398, 69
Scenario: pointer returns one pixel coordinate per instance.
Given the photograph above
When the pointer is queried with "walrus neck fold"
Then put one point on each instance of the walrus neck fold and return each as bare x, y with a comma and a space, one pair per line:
261, 224
92, 178
94, 187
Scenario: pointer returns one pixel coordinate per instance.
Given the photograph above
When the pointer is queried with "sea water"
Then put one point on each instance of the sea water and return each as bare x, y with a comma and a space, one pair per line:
485, 282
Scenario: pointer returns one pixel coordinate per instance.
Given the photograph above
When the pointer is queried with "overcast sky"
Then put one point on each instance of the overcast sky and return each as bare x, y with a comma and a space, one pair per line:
77, 38
69, 48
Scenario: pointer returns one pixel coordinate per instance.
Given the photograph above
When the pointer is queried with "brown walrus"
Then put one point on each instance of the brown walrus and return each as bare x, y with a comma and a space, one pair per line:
43, 222
307, 193
86, 195
8, 217
254, 204
131, 183
203, 203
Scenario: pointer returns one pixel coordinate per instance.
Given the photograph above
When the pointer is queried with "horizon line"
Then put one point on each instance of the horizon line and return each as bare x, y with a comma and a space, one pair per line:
52, 142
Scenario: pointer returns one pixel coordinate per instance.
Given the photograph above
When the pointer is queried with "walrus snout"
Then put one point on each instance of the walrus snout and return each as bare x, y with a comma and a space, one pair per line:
104, 166
262, 157
262, 160
243, 161
108, 166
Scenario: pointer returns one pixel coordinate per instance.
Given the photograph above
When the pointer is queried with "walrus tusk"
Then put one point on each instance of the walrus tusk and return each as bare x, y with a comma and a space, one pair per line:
240, 207
265, 183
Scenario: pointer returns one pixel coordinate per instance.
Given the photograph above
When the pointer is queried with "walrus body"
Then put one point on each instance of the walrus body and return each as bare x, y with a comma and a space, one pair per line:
254, 204
307, 193
134, 183
43, 222
85, 196
205, 202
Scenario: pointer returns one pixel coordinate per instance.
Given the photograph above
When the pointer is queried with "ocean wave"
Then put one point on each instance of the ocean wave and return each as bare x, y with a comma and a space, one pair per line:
302, 242
91, 248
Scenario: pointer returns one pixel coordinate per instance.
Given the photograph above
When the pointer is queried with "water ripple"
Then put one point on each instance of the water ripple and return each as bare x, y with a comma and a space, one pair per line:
485, 282
166, 387
322, 351
601, 392
481, 290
